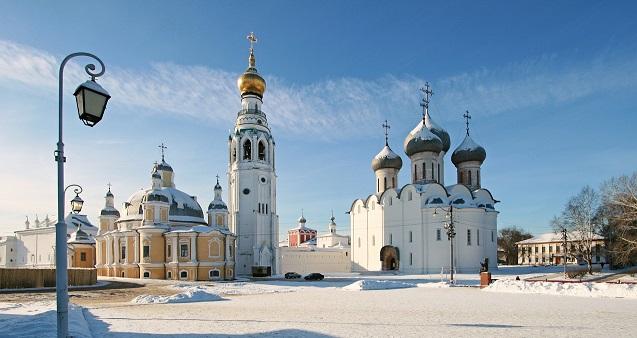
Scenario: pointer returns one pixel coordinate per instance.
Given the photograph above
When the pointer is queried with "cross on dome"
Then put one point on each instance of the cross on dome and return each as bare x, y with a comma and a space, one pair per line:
467, 117
217, 178
386, 127
163, 147
425, 100
109, 186
253, 39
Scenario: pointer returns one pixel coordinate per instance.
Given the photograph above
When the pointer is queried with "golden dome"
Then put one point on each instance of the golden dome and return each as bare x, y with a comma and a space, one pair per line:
250, 82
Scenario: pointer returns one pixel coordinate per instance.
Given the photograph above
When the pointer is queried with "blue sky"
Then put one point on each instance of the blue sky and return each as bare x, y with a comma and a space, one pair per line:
551, 87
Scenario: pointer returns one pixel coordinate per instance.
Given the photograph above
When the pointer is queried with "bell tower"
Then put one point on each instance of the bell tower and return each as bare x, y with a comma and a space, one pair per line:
252, 178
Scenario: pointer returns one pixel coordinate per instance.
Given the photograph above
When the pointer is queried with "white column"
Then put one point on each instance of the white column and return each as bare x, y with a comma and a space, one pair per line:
227, 244
109, 250
127, 250
174, 250
116, 249
136, 249
193, 249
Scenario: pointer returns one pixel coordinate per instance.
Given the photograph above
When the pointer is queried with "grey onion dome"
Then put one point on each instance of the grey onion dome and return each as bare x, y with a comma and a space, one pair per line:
302, 219
438, 131
156, 196
217, 205
387, 158
164, 166
467, 151
421, 139
109, 193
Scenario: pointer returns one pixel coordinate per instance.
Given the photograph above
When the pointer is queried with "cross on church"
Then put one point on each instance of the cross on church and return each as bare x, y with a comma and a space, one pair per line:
253, 39
425, 100
109, 186
467, 117
217, 178
386, 127
163, 147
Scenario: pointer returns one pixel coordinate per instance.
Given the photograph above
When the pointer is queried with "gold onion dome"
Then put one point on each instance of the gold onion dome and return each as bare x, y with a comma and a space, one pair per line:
250, 82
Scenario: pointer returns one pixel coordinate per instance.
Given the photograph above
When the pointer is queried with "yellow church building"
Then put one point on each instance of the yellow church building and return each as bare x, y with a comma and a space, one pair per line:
162, 234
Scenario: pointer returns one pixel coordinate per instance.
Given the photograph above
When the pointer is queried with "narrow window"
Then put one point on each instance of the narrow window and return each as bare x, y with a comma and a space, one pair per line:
359, 242
373, 240
411, 258
378, 185
415, 172
247, 150
478, 237
123, 252
478, 177
184, 250
83, 256
169, 251
424, 171
261, 151
146, 251
170, 275
438, 234
468, 236
391, 239
384, 183
393, 182
410, 237
439, 179
469, 177
492, 236
432, 171
266, 209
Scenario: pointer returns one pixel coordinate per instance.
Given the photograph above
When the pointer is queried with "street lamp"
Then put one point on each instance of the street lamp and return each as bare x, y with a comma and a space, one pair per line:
451, 231
91, 102
77, 202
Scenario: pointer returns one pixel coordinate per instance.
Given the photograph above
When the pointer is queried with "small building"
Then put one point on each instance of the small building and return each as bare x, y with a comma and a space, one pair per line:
34, 246
329, 252
548, 248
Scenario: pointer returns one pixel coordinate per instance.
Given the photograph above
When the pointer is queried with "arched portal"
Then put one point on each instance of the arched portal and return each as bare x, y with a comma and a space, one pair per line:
390, 257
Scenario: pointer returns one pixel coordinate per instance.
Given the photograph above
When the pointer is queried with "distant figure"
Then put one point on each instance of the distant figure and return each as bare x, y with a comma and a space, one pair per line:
517, 277
602, 264
484, 266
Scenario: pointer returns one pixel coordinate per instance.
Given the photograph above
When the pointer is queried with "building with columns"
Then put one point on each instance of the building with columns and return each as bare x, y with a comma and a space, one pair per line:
252, 178
162, 234
405, 228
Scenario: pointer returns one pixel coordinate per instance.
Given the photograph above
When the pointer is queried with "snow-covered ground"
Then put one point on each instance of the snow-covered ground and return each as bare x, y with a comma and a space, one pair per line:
387, 305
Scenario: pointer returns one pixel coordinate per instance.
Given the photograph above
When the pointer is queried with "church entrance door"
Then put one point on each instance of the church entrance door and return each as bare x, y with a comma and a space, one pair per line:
390, 258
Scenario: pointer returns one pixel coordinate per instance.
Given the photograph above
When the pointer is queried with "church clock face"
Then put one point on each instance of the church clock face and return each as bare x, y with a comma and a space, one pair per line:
246, 191
262, 179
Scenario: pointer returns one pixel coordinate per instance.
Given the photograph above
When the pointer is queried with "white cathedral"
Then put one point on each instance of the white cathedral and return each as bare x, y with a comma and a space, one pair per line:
407, 229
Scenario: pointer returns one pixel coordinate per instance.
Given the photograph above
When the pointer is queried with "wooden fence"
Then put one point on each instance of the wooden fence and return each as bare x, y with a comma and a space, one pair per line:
19, 278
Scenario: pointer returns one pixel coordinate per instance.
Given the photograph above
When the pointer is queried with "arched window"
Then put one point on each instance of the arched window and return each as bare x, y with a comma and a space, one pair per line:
478, 177
384, 183
247, 150
424, 171
170, 275
432, 171
415, 172
261, 151
468, 178
214, 274
378, 185
393, 182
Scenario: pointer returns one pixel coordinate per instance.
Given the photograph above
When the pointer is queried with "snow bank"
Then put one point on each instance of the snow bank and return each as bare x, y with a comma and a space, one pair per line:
39, 320
188, 295
565, 289
435, 285
377, 285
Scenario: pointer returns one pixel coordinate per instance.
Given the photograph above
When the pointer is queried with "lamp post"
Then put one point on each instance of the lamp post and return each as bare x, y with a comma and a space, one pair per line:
565, 241
91, 101
451, 232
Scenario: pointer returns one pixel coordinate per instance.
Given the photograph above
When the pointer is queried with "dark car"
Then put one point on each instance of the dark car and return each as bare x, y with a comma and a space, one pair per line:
292, 275
314, 276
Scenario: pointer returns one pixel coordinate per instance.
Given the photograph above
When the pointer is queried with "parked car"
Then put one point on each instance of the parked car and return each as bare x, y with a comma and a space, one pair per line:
292, 275
314, 276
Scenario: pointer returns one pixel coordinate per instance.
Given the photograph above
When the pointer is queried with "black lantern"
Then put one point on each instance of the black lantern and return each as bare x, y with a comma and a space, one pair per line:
76, 204
91, 102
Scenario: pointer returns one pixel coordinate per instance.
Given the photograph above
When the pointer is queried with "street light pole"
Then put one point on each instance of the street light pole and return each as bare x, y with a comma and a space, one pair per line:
61, 274
564, 239
451, 233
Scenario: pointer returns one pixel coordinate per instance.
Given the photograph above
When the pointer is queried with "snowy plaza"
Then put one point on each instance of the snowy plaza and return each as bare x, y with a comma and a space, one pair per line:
348, 305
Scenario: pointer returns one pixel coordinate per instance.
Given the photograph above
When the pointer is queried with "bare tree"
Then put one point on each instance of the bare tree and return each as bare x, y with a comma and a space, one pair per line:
507, 239
620, 213
581, 222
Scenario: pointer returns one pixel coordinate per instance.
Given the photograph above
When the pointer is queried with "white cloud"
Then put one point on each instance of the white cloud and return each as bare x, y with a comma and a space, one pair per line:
351, 106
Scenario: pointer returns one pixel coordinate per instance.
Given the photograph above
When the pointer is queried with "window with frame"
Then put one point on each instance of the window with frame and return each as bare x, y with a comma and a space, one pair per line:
391, 239
169, 250
261, 151
468, 236
123, 252
183, 249
146, 251
83, 256
411, 238
438, 234
247, 150
411, 258
478, 237
183, 274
